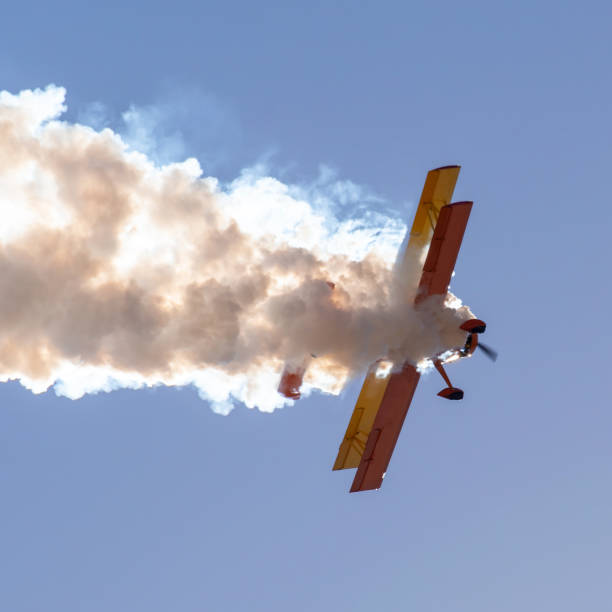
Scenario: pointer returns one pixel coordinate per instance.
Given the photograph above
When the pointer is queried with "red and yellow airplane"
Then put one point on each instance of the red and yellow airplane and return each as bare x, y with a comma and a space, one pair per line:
384, 399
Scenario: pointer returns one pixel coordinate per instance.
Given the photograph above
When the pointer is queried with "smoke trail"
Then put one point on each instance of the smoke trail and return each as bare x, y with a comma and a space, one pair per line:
115, 272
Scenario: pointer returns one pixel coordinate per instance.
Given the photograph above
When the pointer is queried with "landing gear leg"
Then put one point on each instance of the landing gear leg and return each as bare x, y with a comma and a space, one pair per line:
450, 392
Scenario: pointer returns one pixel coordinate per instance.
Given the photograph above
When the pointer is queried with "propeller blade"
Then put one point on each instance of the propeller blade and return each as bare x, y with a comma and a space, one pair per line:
488, 351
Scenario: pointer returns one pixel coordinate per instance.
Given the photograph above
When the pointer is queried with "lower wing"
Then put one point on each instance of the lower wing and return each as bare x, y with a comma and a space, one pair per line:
386, 429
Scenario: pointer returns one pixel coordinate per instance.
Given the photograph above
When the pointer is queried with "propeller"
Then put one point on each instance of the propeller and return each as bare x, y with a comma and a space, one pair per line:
488, 351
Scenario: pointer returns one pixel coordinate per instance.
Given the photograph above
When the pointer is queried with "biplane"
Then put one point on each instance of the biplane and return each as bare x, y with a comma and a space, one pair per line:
388, 389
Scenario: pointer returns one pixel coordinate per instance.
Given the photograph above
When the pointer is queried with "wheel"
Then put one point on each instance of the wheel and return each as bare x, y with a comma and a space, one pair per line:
451, 393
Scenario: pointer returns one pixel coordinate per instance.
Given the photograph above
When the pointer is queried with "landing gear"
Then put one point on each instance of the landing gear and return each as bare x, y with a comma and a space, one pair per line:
450, 392
473, 327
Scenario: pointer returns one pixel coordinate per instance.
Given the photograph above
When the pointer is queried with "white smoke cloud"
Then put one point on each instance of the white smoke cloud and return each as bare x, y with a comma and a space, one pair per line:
116, 272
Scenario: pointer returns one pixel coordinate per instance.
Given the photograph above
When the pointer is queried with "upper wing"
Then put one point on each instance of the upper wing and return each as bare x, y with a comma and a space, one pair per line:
437, 193
360, 425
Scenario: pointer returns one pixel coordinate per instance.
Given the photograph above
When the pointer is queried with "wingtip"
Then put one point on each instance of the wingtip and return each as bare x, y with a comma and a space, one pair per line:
448, 167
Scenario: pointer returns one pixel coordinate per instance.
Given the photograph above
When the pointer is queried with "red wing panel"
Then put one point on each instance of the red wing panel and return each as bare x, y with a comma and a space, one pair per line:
444, 249
386, 429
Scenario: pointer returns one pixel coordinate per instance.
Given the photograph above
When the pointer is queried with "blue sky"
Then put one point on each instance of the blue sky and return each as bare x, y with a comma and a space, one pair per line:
147, 500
